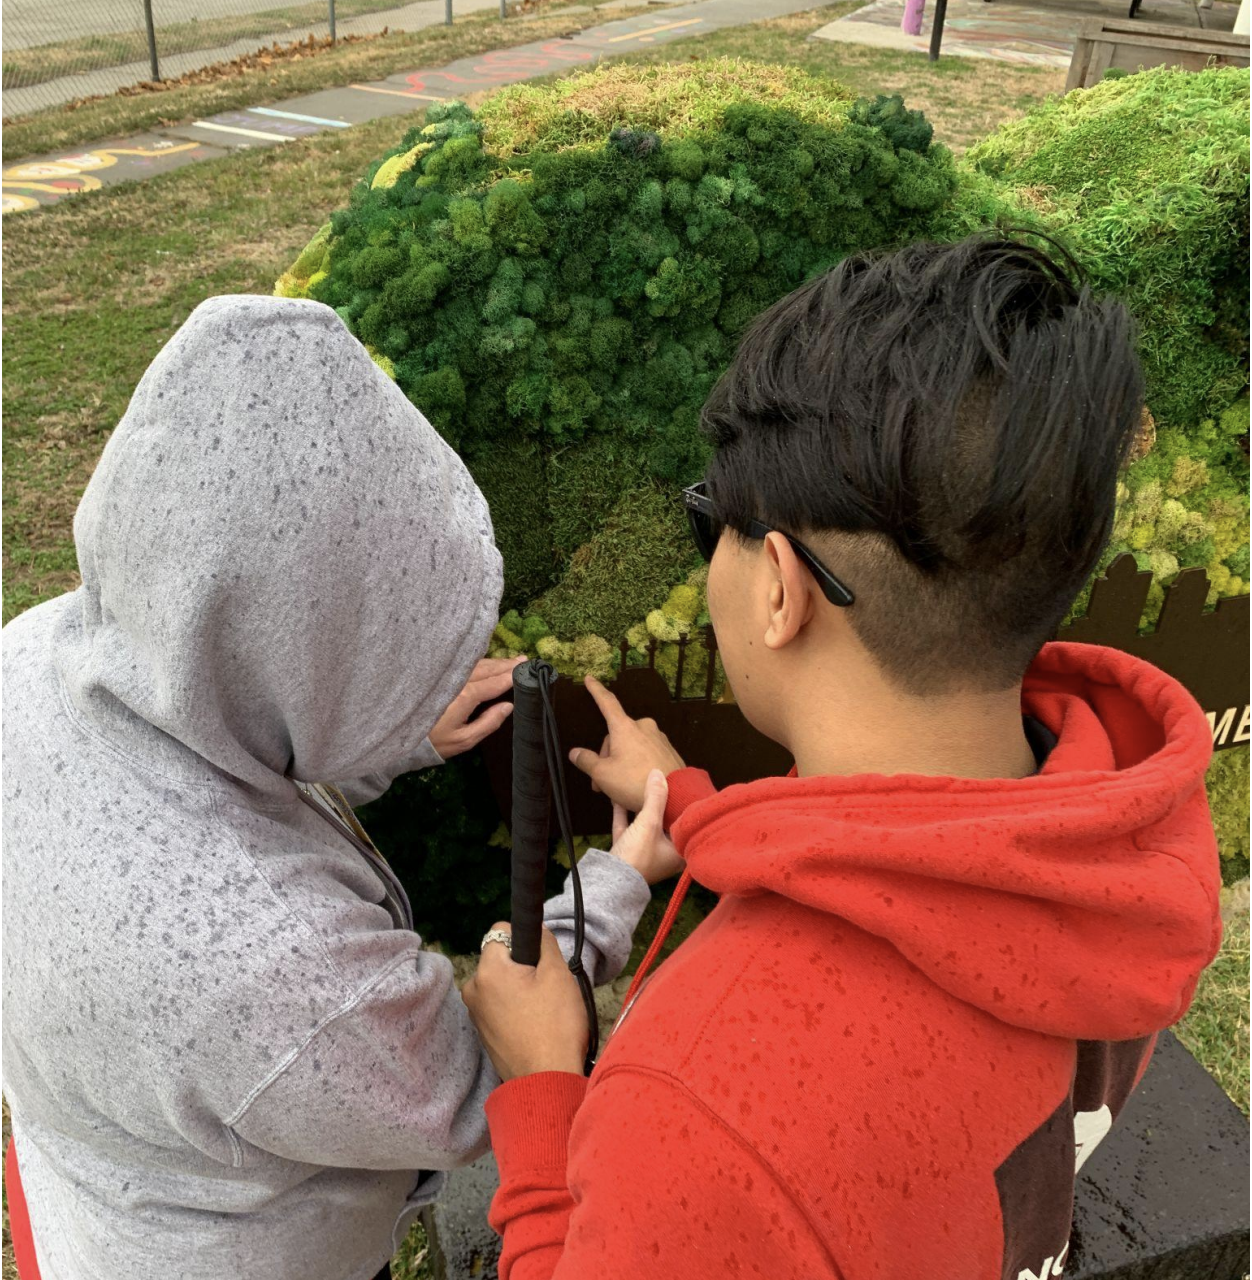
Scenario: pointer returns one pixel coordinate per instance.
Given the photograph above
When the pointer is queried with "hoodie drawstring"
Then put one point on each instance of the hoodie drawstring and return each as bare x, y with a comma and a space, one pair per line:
663, 931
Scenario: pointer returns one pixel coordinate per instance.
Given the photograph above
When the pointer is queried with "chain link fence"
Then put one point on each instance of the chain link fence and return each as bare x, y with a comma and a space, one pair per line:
58, 50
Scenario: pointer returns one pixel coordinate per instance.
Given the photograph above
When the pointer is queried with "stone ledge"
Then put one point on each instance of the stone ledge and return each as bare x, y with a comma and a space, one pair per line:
1164, 1197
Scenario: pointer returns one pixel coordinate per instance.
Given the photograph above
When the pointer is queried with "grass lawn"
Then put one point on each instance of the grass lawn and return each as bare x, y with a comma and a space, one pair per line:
110, 117
1216, 1029
95, 286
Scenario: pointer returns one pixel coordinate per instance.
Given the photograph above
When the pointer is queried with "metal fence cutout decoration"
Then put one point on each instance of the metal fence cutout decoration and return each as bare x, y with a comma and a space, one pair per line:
1205, 650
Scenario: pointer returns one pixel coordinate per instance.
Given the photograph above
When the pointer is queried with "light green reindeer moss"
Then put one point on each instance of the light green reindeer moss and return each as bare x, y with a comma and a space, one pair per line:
1146, 178
1227, 784
675, 100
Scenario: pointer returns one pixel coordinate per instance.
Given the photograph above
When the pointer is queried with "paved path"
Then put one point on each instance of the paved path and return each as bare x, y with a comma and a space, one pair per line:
33, 183
18, 101
1016, 31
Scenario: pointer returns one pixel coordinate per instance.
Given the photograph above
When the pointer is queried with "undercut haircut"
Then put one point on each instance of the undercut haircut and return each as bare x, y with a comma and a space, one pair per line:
945, 424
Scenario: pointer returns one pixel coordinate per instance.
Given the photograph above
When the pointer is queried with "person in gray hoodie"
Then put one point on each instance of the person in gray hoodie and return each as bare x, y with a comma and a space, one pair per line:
226, 1052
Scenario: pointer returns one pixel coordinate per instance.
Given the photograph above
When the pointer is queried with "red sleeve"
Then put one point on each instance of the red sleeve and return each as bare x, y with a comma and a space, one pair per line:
530, 1119
19, 1218
686, 786
655, 1185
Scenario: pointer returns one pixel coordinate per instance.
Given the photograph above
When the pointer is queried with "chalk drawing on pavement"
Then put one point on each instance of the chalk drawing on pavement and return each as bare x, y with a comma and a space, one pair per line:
648, 33
69, 175
501, 67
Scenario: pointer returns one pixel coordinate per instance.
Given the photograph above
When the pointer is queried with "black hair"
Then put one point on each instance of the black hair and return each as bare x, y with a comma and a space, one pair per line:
947, 422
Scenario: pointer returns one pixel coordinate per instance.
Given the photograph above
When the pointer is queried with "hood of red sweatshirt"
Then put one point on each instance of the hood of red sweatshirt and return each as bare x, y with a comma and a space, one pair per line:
1081, 902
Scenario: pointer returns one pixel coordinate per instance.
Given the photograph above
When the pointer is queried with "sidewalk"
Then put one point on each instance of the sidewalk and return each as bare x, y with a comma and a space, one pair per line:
1022, 32
415, 16
34, 183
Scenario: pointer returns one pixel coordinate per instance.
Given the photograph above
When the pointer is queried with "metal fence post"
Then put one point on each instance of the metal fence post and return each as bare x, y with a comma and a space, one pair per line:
331, 5
504, 13
447, 12
152, 53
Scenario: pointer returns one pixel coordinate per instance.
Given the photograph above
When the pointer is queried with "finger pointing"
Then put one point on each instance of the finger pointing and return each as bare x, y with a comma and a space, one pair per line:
610, 708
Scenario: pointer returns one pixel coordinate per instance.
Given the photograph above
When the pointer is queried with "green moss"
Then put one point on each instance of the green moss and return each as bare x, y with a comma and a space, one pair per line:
585, 482
558, 282
512, 478
1227, 784
630, 563
1148, 178
584, 110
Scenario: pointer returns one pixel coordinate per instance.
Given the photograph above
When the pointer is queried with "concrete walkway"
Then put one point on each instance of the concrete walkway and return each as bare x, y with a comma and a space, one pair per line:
104, 80
1021, 32
34, 183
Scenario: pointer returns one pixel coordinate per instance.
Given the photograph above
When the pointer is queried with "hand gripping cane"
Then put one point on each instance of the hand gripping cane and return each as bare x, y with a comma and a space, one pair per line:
538, 778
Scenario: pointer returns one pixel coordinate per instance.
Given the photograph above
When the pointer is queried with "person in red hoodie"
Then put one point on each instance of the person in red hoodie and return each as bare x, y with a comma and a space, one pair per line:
944, 944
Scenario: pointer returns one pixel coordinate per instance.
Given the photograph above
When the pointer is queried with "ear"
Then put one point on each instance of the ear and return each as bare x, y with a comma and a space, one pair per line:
791, 590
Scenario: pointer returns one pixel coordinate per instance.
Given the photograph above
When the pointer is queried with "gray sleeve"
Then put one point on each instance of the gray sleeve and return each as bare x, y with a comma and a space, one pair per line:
395, 1078
614, 897
359, 791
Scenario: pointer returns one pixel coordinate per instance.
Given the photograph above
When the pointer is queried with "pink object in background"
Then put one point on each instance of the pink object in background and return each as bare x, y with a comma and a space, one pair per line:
912, 22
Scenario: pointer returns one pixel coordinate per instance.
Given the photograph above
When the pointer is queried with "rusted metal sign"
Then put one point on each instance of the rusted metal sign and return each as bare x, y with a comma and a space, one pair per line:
1207, 651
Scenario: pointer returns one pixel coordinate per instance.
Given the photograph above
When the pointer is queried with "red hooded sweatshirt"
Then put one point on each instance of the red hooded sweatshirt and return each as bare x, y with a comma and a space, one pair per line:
917, 1007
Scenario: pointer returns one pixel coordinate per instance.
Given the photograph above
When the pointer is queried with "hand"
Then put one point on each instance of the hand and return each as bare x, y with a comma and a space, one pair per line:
454, 731
631, 751
529, 1020
643, 844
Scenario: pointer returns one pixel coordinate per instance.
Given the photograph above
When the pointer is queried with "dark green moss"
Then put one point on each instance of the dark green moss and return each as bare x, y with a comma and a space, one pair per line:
570, 308
513, 479
622, 572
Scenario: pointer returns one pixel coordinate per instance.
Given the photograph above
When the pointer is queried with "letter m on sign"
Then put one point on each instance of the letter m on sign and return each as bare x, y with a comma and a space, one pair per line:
1220, 726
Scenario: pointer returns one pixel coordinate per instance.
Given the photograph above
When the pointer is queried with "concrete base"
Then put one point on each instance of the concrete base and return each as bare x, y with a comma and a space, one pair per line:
1164, 1197
462, 1245
1023, 32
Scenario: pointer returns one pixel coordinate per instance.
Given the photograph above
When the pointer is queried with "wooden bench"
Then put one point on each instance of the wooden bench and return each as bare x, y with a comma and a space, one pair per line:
1119, 44
1134, 44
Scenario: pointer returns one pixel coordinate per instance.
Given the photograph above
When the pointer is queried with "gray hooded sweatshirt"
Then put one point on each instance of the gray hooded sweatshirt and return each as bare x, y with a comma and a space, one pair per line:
226, 1053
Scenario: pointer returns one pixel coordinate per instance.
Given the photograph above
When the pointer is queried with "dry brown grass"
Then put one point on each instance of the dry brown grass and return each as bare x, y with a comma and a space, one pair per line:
964, 98
673, 96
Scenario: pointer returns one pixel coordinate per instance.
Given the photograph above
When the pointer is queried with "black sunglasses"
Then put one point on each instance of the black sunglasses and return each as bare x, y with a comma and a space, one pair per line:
706, 529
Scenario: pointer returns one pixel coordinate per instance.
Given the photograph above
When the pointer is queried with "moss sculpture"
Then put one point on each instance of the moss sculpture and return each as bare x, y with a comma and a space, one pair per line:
558, 279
